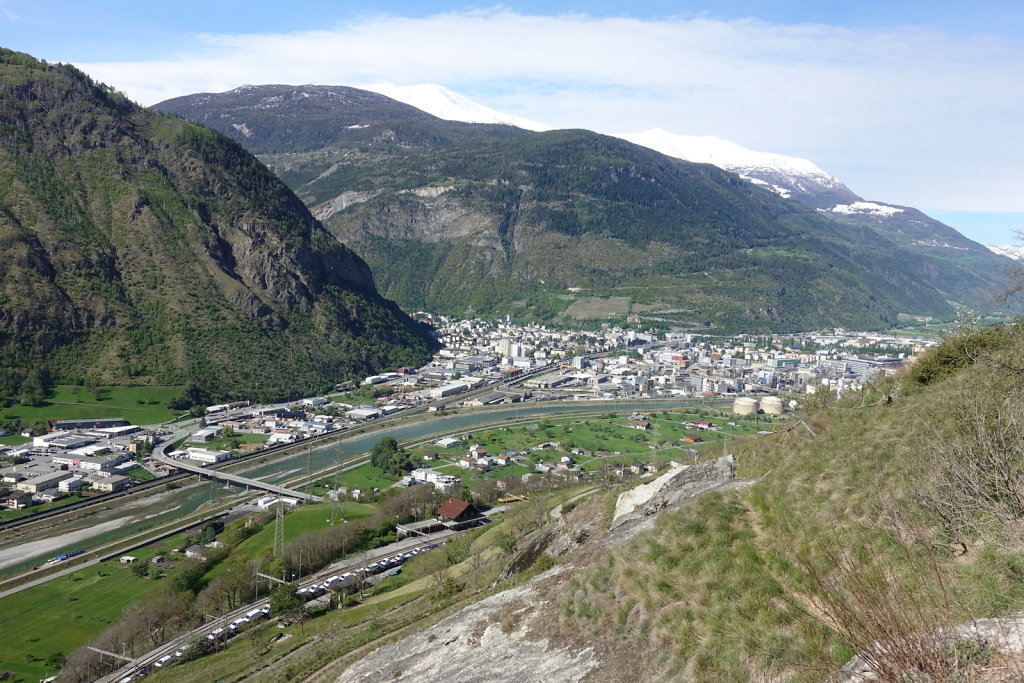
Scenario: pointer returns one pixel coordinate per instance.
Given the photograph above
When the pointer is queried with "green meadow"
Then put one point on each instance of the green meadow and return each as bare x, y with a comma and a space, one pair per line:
138, 405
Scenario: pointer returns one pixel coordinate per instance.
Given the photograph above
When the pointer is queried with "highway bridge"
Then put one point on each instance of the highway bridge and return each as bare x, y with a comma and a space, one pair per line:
236, 479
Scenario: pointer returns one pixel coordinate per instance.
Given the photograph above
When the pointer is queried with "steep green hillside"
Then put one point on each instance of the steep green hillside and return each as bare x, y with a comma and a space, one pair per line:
970, 272
482, 227
145, 249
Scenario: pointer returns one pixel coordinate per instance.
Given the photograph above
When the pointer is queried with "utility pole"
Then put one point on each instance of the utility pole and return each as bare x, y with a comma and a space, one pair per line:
333, 497
279, 531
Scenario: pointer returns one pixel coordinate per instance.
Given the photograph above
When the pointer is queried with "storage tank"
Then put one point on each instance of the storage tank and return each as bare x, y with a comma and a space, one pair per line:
744, 405
771, 405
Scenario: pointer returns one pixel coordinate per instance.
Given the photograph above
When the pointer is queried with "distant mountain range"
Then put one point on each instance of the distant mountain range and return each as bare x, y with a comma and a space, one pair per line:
141, 248
789, 177
471, 217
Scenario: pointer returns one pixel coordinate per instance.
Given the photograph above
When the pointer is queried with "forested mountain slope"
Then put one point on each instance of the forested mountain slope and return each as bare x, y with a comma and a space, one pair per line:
142, 248
521, 223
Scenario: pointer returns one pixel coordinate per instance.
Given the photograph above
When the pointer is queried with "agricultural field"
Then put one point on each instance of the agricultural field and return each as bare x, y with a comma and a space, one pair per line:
366, 477
593, 308
309, 517
138, 405
60, 615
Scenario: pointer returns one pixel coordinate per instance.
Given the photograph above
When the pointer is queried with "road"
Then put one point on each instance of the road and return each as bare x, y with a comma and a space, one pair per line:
556, 512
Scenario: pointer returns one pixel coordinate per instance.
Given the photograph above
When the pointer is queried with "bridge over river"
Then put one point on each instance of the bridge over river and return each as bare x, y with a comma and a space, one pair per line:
236, 479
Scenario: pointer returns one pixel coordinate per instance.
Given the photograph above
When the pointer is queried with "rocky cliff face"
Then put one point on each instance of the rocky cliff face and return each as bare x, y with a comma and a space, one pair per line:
144, 248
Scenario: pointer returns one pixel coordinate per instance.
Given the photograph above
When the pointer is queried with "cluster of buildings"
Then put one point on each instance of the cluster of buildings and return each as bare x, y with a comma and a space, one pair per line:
289, 423
77, 454
565, 364
511, 363
697, 366
526, 346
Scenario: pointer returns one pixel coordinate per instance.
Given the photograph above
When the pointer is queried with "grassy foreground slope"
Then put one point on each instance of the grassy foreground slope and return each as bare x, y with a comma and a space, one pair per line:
856, 533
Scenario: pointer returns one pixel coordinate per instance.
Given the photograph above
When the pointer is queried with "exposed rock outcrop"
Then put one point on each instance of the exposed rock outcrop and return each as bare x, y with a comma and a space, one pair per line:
517, 635
679, 483
487, 641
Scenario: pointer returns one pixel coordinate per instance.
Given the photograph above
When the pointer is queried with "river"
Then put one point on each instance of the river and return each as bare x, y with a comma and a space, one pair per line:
104, 526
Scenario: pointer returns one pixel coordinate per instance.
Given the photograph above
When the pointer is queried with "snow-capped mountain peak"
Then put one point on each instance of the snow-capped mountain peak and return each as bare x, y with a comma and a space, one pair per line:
709, 149
447, 104
786, 176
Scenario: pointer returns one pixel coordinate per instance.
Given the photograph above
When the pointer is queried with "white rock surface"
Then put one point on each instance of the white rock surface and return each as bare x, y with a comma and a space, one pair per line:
635, 497
488, 641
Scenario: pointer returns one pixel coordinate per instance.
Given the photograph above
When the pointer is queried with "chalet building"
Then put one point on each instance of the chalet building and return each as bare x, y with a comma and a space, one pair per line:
458, 514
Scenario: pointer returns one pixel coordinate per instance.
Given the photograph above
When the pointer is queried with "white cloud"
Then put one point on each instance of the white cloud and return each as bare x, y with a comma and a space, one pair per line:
907, 115
8, 14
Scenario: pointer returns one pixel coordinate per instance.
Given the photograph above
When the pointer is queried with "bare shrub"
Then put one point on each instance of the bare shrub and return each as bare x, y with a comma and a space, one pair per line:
975, 478
897, 619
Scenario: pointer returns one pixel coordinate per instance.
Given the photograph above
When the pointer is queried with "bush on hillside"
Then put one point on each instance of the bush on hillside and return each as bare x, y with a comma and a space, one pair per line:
958, 352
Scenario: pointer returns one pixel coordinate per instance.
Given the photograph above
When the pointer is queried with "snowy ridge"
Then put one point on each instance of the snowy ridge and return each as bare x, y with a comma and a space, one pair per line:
869, 208
1010, 250
779, 173
446, 104
728, 155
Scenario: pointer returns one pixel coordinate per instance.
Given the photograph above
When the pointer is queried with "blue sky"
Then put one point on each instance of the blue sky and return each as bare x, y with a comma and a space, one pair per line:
910, 102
